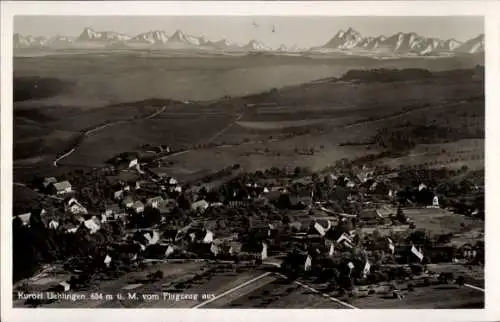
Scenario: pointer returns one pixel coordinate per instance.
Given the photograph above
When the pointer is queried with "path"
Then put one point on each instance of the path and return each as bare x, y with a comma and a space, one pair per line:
212, 138
474, 287
331, 298
216, 135
103, 126
232, 290
394, 116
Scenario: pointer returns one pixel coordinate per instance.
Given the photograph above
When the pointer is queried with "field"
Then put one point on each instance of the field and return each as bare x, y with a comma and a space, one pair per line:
311, 124
440, 221
247, 287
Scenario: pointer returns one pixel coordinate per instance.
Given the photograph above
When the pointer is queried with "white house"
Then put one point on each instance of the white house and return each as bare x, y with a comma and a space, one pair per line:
72, 230
128, 202
118, 194
53, 224
107, 260
200, 205
152, 237
209, 237
25, 218
133, 163
65, 286
138, 206
48, 181
154, 202
76, 208
62, 187
92, 225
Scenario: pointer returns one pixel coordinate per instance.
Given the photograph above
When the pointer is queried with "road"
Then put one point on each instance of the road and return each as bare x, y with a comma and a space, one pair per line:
393, 116
212, 138
102, 127
257, 283
218, 134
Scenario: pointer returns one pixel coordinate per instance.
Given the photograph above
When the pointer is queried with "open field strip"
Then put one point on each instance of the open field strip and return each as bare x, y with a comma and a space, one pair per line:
232, 290
333, 299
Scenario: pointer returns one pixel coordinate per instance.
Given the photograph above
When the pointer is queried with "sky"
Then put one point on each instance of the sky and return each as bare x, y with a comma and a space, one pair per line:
300, 31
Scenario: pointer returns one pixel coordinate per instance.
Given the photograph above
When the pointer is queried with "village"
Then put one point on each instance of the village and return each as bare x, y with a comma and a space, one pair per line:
352, 230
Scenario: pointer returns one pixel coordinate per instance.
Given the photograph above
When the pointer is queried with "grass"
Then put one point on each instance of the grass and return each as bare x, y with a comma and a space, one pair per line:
440, 221
321, 115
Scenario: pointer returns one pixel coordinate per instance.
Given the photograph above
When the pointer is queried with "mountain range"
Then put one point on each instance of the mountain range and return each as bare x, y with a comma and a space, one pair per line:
348, 40
400, 42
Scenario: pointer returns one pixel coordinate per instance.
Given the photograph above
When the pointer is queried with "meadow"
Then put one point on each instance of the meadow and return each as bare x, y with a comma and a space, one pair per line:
258, 111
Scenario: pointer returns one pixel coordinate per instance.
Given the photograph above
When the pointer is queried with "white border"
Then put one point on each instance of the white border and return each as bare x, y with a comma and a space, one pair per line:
489, 9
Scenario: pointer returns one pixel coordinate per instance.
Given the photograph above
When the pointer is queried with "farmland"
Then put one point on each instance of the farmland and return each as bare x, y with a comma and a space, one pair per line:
191, 153
211, 285
308, 114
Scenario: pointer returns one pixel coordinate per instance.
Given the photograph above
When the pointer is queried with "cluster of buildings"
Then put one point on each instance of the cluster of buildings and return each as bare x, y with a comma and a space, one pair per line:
135, 188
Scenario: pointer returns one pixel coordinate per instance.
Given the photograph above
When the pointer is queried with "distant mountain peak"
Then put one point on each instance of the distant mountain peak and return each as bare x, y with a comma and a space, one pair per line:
347, 40
254, 45
90, 35
151, 37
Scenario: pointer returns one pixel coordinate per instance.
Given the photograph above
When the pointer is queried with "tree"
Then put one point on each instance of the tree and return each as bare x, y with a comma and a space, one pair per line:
184, 202
400, 216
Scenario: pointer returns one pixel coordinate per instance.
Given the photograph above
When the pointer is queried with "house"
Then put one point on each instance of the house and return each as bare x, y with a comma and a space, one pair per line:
172, 181
128, 202
467, 251
208, 238
25, 218
176, 188
166, 206
107, 260
53, 224
75, 207
152, 237
118, 194
111, 209
234, 248
154, 202
200, 205
61, 188
49, 181
303, 198
93, 225
71, 229
237, 204
370, 215
159, 173
138, 206
133, 163
216, 204
120, 215
350, 184
62, 287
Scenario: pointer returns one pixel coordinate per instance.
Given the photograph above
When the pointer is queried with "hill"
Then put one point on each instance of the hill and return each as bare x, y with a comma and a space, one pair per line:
313, 124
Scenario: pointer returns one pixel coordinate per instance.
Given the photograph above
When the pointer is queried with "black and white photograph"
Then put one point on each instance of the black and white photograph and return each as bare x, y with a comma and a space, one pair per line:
248, 162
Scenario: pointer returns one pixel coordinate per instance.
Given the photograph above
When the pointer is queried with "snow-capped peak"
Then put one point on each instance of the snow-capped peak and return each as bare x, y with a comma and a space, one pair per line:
20, 41
254, 45
89, 34
181, 38
344, 39
151, 37
472, 46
